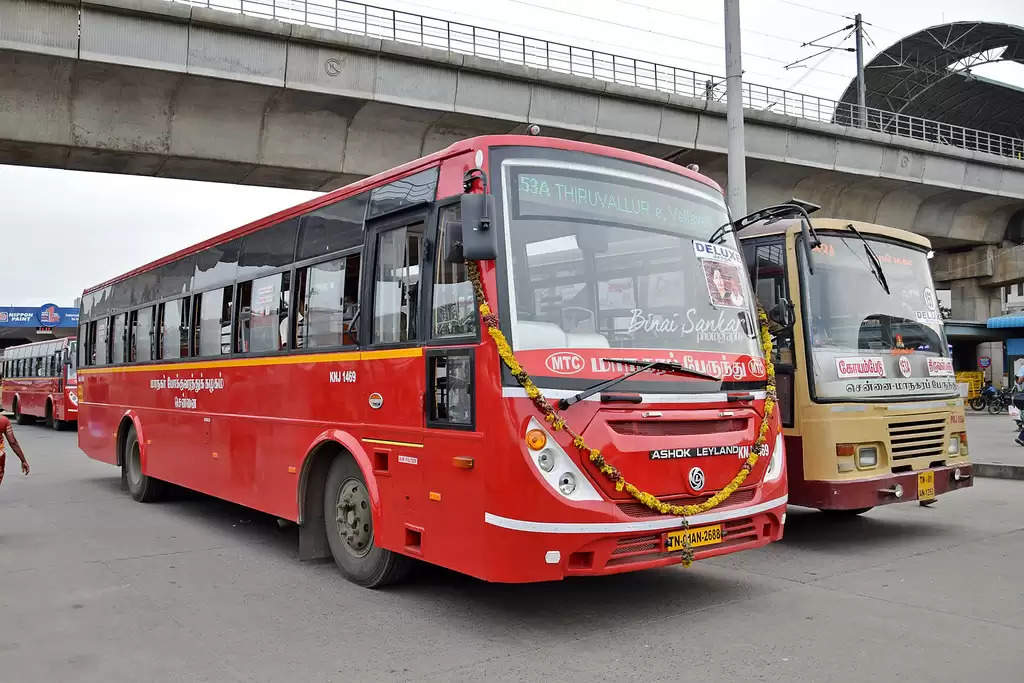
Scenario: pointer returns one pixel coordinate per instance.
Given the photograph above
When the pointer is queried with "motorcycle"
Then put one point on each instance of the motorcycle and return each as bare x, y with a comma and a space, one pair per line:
982, 400
1000, 402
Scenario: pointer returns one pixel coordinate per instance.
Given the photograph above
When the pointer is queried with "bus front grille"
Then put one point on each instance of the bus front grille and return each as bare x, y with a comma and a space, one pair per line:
917, 438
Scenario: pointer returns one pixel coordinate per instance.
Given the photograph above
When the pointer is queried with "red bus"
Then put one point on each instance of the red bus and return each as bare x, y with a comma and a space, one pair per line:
40, 381
330, 365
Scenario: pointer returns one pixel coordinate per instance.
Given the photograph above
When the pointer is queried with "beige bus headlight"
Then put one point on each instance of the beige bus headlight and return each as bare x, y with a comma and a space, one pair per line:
867, 457
774, 470
954, 445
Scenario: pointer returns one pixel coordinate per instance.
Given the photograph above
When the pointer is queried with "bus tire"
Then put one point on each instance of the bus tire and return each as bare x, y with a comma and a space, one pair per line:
349, 522
142, 488
852, 512
20, 417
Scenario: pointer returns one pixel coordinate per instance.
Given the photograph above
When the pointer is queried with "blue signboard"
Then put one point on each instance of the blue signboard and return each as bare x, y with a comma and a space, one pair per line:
47, 315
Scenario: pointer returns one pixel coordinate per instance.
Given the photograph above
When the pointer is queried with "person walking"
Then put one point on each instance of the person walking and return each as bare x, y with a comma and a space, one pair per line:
7, 433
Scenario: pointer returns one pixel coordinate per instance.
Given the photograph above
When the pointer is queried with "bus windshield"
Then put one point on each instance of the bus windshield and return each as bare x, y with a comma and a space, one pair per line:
865, 342
605, 258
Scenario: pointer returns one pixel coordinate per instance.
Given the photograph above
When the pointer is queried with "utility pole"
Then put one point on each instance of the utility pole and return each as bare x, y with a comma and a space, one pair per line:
737, 163
862, 113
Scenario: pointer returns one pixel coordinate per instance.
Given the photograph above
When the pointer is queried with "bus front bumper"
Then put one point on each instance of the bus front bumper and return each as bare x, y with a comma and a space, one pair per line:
882, 490
548, 551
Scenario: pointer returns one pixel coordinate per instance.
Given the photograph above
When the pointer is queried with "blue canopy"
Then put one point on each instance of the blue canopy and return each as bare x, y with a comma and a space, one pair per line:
1010, 320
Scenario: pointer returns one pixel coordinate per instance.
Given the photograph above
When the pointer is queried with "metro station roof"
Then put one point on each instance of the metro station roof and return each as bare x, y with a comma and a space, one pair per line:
928, 74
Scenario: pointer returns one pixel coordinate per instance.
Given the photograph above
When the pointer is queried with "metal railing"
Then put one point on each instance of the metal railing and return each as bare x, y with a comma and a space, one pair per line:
378, 22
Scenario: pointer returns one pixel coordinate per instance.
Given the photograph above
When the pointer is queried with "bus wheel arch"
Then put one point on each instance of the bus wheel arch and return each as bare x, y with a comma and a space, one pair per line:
328, 447
131, 456
19, 417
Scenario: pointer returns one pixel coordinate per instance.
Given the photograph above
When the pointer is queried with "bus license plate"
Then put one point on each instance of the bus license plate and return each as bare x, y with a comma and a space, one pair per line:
925, 485
698, 536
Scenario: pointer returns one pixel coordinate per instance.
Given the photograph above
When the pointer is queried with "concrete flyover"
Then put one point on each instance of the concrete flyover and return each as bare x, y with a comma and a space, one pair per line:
151, 87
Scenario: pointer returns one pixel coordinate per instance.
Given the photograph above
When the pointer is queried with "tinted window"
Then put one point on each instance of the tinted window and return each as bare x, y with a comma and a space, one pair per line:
175, 278
333, 227
328, 303
396, 290
454, 307
117, 337
416, 189
267, 249
216, 265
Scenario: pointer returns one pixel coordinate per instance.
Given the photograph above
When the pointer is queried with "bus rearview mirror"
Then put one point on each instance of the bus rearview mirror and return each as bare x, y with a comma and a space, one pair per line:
479, 240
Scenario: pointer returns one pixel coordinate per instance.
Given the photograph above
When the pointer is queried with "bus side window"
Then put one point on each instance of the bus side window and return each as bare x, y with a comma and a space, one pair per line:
118, 337
143, 347
262, 326
453, 311
133, 323
397, 285
328, 303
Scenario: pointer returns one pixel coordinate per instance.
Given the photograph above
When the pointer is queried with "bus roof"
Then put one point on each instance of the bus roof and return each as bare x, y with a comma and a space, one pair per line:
58, 342
408, 168
791, 225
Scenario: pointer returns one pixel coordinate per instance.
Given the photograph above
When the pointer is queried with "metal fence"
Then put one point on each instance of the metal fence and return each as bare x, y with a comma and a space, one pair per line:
405, 27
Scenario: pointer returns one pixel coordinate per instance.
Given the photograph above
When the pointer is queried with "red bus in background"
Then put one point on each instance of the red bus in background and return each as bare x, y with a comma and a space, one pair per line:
327, 365
40, 381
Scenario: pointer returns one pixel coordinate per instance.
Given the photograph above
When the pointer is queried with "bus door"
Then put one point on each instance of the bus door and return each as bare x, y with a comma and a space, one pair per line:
767, 263
453, 443
391, 381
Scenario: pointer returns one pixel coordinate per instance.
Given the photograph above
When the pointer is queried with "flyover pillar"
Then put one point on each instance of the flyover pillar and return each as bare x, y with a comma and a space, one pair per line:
974, 295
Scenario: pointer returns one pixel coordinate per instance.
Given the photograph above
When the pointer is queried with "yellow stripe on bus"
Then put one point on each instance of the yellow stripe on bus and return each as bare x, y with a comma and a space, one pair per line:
385, 442
268, 360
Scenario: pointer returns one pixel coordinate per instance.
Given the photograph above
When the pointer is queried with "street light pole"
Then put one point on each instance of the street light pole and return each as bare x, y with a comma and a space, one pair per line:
737, 164
862, 114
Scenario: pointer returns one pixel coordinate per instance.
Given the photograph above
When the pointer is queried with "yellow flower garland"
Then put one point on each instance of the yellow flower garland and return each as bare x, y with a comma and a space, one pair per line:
594, 455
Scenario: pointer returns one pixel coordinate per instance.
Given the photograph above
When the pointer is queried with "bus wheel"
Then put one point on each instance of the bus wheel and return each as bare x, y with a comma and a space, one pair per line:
853, 512
58, 425
143, 489
21, 418
349, 522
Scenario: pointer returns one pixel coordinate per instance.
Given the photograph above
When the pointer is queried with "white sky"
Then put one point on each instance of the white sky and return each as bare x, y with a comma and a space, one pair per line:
64, 230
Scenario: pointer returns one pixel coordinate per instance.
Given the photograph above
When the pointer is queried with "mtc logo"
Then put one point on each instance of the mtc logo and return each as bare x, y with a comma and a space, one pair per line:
565, 363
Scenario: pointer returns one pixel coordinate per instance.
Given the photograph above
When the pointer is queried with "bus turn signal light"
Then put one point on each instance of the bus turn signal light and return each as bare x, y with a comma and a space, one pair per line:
536, 439
963, 443
845, 450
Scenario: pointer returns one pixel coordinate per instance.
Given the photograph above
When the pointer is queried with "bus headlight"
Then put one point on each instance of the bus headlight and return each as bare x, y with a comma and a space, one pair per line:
546, 460
954, 445
867, 457
774, 470
558, 470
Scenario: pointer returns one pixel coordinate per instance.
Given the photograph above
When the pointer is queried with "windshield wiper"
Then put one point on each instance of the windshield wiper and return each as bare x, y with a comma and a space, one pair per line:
642, 366
720, 233
877, 270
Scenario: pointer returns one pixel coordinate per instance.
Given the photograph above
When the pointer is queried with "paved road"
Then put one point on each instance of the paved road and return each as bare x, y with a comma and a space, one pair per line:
990, 438
96, 587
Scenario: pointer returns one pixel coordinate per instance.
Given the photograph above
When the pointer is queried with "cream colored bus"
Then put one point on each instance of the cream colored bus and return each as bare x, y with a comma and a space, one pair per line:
870, 408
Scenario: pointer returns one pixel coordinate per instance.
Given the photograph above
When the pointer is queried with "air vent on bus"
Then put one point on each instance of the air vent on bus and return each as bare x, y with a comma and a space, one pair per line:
917, 438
